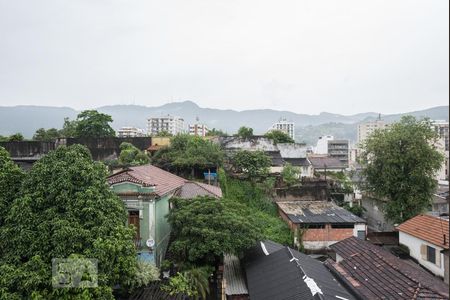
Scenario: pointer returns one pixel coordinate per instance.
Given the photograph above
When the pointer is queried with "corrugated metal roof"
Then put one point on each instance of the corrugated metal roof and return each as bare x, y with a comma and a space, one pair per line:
309, 212
234, 279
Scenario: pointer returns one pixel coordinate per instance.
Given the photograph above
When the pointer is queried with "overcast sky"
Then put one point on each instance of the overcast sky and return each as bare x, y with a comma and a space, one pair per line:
303, 56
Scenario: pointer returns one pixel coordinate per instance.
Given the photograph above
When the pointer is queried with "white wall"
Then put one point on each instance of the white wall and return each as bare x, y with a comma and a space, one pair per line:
414, 245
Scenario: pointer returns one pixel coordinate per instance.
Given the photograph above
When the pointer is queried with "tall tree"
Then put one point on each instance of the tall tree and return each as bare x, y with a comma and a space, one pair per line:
46, 135
245, 132
279, 137
11, 177
254, 164
65, 210
132, 156
205, 228
91, 123
69, 128
400, 164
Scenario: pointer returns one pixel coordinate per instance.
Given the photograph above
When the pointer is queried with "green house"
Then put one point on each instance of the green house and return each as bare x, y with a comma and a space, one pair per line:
146, 191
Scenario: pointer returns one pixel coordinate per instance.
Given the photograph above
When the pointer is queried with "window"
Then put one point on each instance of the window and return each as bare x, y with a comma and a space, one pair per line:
342, 226
431, 254
311, 226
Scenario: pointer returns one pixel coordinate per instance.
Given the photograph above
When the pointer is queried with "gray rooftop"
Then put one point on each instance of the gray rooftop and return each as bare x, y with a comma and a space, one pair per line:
234, 279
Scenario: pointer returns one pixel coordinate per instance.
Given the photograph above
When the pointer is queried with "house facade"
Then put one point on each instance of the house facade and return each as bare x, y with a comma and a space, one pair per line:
427, 238
146, 192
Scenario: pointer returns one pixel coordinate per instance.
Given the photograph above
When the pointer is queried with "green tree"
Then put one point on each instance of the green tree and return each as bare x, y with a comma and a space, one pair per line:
17, 137
193, 282
254, 164
245, 132
11, 177
204, 228
399, 164
132, 156
91, 123
279, 137
46, 135
65, 210
290, 174
164, 133
187, 153
216, 132
69, 129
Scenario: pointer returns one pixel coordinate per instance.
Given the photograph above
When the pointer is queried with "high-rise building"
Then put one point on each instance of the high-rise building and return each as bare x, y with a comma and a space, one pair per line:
441, 128
171, 124
130, 131
339, 149
284, 126
322, 144
198, 129
367, 128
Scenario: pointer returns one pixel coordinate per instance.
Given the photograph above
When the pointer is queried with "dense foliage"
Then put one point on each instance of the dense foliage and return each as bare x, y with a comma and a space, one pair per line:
204, 228
399, 164
46, 135
216, 132
132, 156
245, 132
192, 282
65, 209
279, 137
290, 174
17, 137
187, 153
254, 164
91, 123
11, 177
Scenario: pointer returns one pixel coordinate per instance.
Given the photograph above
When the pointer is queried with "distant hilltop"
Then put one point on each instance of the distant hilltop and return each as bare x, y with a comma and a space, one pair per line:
27, 119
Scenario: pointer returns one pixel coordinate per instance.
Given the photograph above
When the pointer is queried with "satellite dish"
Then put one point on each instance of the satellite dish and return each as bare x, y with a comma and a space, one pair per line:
150, 243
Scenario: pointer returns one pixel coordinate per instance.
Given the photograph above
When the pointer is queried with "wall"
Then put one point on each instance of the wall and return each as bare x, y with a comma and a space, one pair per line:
28, 149
414, 245
162, 233
374, 214
310, 190
446, 268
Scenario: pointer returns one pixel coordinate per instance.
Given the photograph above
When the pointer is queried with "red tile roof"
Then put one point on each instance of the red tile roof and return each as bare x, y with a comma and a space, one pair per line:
148, 175
377, 274
427, 228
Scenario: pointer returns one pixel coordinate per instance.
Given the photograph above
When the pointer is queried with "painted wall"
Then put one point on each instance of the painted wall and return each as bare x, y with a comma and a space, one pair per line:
374, 214
414, 245
162, 232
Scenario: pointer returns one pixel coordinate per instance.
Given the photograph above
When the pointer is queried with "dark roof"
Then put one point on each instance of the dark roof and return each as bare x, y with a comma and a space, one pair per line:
377, 274
234, 278
302, 161
329, 162
277, 272
323, 212
427, 228
193, 189
148, 175
276, 158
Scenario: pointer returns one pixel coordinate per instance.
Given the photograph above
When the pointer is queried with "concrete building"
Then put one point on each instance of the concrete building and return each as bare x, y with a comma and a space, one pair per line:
366, 129
284, 126
426, 237
322, 144
130, 131
339, 149
198, 129
171, 124
441, 127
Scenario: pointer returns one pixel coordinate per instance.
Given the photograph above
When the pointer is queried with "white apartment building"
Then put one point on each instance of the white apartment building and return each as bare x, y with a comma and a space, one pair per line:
441, 127
171, 124
130, 131
366, 129
322, 144
284, 126
198, 129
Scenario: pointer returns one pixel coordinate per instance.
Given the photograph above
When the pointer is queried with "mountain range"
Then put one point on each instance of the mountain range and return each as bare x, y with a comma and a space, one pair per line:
27, 119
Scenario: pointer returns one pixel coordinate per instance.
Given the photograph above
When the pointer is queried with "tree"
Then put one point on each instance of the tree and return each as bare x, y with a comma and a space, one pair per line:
17, 137
254, 164
279, 137
216, 132
46, 135
132, 156
69, 129
290, 174
245, 132
187, 153
399, 165
193, 282
204, 228
65, 210
164, 133
91, 123
11, 177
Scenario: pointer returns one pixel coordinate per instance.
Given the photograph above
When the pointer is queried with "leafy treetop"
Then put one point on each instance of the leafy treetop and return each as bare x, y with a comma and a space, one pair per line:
132, 156
399, 164
91, 123
279, 137
245, 132
254, 164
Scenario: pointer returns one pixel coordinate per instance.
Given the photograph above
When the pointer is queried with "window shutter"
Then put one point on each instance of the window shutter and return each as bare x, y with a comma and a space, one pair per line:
438, 258
423, 251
